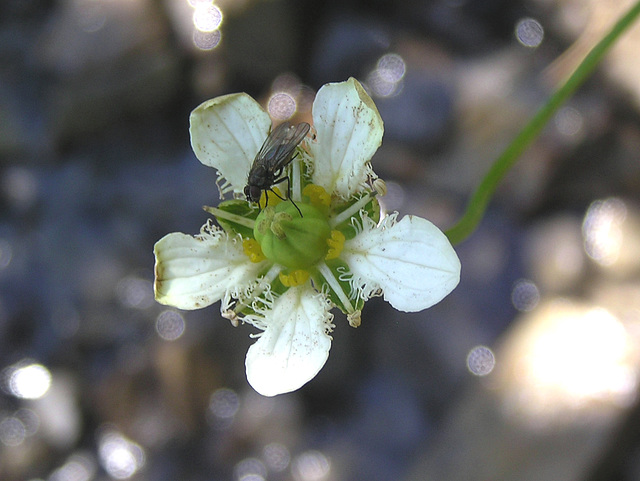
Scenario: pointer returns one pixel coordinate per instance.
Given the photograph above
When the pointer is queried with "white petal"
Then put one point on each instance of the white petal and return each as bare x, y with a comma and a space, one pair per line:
194, 272
412, 262
295, 345
349, 131
226, 133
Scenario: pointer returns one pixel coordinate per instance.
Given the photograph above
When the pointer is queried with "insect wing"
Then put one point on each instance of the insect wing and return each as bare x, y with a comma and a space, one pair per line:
276, 151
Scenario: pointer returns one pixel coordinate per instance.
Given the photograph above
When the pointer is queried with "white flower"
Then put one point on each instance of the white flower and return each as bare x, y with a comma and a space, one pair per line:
284, 267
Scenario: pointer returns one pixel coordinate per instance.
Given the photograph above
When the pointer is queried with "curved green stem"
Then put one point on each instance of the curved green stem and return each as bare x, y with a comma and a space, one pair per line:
481, 197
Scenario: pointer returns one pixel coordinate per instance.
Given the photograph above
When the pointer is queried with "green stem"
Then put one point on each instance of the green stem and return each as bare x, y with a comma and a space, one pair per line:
481, 197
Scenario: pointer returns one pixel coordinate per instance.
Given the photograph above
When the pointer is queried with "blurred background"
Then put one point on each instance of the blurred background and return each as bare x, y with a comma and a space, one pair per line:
527, 371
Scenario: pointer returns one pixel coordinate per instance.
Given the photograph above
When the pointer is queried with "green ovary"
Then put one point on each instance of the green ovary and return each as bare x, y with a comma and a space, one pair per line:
290, 240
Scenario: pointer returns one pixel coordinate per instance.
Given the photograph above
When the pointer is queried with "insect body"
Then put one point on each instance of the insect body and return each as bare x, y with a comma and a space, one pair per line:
272, 158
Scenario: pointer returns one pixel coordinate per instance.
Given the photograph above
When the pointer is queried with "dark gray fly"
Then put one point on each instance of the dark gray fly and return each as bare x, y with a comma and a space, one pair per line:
273, 157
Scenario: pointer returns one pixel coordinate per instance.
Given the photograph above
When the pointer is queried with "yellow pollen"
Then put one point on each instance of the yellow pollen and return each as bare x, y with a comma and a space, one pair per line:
336, 244
317, 195
252, 249
273, 199
294, 278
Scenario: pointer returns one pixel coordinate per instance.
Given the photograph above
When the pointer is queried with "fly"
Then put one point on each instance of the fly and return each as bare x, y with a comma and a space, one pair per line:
274, 156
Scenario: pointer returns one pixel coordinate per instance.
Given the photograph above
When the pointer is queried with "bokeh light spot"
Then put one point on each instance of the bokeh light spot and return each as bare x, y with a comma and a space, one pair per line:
12, 431
134, 292
224, 403
170, 325
120, 457
391, 67
569, 121
79, 467
386, 79
250, 469
602, 230
29, 419
281, 106
223, 406
206, 40
481, 361
310, 466
276, 456
529, 32
525, 295
207, 17
28, 380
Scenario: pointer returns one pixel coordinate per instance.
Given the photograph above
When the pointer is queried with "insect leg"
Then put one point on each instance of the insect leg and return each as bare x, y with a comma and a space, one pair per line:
288, 193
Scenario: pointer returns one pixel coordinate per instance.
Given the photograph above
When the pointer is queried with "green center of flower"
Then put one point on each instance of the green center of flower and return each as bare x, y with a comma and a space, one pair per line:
290, 240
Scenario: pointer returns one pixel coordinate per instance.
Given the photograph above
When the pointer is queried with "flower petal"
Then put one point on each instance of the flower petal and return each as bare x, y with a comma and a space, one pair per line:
412, 262
194, 272
226, 133
349, 130
295, 345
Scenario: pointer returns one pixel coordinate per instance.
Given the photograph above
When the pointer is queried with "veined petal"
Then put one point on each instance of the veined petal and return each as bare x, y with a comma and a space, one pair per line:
349, 131
194, 272
226, 134
295, 344
412, 262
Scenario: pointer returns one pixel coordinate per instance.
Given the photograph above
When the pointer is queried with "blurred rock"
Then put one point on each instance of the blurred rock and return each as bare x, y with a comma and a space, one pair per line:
105, 60
554, 254
387, 425
419, 109
611, 233
586, 22
347, 47
262, 43
565, 379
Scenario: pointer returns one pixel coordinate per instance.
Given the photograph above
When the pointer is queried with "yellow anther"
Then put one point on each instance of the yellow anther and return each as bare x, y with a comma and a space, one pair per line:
336, 244
273, 199
294, 278
354, 318
317, 195
252, 249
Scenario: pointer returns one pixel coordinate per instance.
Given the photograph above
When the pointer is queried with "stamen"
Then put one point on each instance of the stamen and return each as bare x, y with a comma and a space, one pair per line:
264, 285
351, 211
354, 318
294, 278
317, 195
296, 179
335, 286
252, 250
232, 316
223, 185
238, 219
380, 186
336, 244
273, 200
